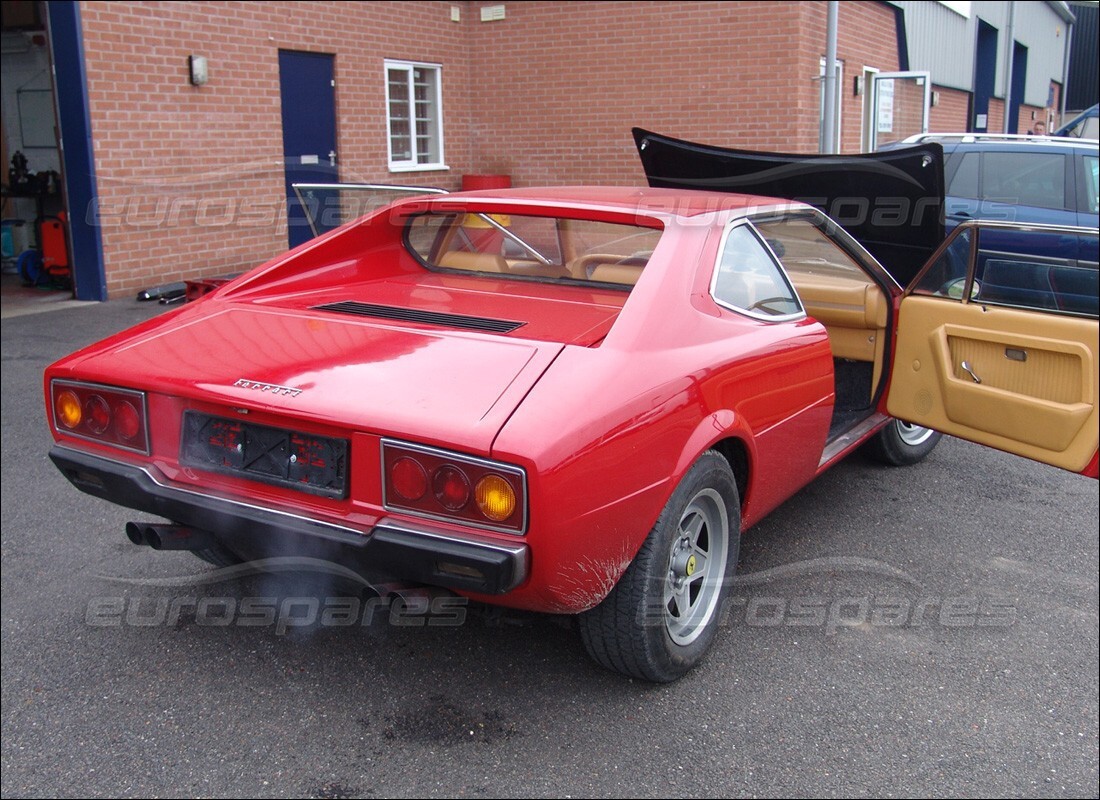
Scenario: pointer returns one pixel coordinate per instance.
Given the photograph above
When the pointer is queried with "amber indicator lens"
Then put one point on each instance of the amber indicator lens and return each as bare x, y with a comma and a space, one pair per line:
69, 412
495, 497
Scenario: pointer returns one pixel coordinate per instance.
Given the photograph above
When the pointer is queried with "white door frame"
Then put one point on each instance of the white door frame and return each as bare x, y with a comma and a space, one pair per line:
872, 127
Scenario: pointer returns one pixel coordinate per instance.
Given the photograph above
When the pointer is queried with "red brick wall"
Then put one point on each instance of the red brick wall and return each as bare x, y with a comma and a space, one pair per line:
996, 116
866, 37
190, 178
1027, 117
951, 115
561, 84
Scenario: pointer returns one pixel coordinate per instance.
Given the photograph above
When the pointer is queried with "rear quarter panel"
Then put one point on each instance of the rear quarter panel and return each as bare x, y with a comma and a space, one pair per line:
608, 432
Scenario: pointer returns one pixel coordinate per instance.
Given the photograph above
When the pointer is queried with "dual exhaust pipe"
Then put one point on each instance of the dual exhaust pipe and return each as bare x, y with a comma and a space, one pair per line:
412, 598
167, 537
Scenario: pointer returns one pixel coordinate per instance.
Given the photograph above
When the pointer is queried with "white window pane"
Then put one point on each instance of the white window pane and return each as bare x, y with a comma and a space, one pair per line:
415, 129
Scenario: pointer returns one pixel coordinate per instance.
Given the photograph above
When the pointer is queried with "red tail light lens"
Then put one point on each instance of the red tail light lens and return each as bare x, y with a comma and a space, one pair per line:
476, 491
97, 414
409, 479
127, 420
100, 413
451, 487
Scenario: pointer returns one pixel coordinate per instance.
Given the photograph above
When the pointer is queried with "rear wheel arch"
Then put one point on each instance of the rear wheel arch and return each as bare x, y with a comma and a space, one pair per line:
736, 453
660, 618
734, 444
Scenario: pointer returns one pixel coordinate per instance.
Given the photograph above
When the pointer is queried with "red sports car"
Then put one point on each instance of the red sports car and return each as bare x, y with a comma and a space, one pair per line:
569, 400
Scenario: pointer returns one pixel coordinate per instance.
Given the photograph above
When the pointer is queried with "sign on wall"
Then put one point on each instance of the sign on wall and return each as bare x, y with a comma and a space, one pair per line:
885, 105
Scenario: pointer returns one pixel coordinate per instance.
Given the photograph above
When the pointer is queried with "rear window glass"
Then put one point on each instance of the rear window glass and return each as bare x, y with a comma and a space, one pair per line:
532, 248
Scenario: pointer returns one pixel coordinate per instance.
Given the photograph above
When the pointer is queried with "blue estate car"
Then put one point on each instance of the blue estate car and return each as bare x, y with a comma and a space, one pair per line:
1038, 179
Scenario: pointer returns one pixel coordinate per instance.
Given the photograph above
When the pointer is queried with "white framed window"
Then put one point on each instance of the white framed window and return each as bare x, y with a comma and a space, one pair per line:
414, 116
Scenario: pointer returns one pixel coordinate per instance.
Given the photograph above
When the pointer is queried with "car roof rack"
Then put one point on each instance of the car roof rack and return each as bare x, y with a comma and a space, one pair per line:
984, 137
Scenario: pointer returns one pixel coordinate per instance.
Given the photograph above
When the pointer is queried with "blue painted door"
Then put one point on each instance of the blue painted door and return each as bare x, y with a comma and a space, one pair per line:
985, 74
1019, 81
308, 91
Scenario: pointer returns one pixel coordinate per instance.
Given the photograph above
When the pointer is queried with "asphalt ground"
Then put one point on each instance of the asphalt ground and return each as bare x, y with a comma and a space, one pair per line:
895, 632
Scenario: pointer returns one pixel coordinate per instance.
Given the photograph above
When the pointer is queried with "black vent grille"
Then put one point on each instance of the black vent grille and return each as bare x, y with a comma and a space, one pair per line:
423, 317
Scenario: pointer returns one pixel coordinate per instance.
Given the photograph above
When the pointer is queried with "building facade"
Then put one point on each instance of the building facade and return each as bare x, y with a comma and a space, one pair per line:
193, 117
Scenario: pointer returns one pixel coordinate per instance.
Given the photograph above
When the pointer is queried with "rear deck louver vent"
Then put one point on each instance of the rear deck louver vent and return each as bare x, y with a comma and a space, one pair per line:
423, 317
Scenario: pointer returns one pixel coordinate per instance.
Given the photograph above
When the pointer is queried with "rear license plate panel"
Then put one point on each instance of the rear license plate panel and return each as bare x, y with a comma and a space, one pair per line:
306, 462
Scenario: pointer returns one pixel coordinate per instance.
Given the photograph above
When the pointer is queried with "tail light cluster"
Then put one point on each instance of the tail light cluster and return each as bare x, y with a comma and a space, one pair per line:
444, 485
101, 413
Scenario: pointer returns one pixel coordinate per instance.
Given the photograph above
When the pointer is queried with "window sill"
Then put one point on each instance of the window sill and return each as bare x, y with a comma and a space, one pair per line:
418, 167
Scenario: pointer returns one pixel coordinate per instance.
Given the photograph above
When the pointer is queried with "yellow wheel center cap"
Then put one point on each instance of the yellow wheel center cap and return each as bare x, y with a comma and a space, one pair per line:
689, 568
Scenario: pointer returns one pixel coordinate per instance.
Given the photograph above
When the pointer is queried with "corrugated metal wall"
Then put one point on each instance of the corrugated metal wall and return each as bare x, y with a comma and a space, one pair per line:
1083, 85
943, 42
1043, 33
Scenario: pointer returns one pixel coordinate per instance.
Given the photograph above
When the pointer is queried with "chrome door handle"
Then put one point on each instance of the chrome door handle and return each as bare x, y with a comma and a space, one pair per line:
970, 372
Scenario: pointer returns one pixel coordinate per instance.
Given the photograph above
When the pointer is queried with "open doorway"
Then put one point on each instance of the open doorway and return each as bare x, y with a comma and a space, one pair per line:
1019, 83
36, 250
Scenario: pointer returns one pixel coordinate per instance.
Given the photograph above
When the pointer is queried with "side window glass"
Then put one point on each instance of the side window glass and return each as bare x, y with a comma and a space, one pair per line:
964, 183
748, 279
1092, 180
1037, 271
946, 277
808, 253
1028, 179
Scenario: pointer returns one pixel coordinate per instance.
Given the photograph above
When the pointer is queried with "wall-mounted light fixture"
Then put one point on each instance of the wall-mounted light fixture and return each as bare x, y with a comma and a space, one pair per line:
196, 66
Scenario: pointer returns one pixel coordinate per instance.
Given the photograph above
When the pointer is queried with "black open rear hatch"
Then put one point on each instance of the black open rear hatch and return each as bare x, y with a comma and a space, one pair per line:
892, 201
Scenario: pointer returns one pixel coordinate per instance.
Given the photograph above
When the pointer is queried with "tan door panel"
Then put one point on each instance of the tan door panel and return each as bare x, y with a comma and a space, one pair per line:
1045, 369
1037, 371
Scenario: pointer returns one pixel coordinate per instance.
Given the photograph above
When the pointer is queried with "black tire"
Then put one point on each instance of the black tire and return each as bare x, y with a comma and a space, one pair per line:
901, 444
659, 621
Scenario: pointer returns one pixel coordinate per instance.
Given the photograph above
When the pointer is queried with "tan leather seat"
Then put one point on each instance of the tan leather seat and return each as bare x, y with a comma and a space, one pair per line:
617, 273
473, 262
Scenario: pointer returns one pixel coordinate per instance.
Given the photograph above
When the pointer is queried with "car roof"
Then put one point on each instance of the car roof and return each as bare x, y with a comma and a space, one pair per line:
657, 203
1053, 146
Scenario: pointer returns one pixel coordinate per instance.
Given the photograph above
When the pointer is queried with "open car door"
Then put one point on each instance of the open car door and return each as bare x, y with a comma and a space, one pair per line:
996, 343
